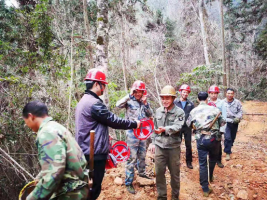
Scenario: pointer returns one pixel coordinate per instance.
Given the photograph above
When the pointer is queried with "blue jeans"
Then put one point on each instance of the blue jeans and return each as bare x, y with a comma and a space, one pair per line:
207, 146
137, 157
229, 137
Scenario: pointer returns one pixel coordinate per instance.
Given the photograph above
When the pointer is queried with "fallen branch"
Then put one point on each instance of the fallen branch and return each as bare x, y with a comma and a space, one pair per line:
17, 164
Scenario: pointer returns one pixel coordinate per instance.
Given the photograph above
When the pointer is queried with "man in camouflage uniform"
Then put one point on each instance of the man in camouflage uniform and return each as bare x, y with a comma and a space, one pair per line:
213, 98
137, 108
234, 115
63, 166
200, 119
166, 143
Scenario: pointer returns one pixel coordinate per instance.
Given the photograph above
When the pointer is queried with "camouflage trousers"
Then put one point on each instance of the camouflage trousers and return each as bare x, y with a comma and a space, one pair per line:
78, 194
137, 157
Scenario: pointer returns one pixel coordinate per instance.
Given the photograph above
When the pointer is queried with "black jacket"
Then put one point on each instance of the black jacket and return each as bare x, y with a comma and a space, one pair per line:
92, 114
187, 109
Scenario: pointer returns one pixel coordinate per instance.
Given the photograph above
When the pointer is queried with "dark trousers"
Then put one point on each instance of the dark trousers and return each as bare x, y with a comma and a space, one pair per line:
229, 137
99, 172
207, 146
220, 152
187, 132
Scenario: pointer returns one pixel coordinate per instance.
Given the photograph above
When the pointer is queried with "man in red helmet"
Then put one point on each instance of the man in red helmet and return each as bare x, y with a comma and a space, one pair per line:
187, 106
137, 108
213, 98
92, 114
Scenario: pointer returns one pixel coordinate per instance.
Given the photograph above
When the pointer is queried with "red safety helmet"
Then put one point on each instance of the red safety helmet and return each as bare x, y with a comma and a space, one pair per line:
214, 88
139, 85
146, 129
185, 87
96, 75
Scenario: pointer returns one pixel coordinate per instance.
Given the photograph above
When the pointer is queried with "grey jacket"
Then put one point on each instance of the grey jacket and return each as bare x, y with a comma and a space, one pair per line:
233, 110
92, 114
134, 109
173, 121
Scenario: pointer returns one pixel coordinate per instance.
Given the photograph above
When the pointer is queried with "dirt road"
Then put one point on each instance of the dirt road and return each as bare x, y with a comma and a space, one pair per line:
243, 177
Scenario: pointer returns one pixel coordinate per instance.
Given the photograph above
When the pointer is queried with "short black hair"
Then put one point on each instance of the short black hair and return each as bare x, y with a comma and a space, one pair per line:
202, 96
231, 89
89, 84
36, 108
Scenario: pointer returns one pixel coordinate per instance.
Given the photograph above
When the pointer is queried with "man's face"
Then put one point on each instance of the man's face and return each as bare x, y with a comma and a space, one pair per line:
30, 121
167, 101
213, 96
138, 94
184, 94
230, 95
102, 87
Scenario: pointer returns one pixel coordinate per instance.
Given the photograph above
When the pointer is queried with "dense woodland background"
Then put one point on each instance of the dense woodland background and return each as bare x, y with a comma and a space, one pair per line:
47, 46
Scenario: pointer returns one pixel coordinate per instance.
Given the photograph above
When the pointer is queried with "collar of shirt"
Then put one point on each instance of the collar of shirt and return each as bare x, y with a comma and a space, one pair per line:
202, 103
169, 111
47, 119
93, 94
230, 103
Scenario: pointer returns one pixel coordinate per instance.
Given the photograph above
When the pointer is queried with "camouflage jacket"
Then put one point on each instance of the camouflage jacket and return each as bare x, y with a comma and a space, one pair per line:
134, 109
173, 121
233, 110
201, 117
63, 165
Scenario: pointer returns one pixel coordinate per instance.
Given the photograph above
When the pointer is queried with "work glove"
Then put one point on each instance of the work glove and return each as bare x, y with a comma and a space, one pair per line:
236, 120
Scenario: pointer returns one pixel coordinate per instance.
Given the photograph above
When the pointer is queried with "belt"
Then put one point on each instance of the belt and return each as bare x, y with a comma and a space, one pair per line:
206, 132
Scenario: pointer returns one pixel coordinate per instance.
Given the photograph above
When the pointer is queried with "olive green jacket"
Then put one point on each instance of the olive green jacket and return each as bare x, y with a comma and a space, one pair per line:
173, 121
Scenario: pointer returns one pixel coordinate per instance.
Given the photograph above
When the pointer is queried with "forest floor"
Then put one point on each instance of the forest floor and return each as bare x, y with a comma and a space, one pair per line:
243, 177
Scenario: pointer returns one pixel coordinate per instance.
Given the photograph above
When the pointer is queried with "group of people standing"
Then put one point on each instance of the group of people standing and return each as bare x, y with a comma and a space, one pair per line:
63, 160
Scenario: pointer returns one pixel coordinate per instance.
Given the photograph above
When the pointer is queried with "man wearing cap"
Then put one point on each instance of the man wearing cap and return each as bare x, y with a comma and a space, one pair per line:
137, 108
166, 143
187, 106
201, 119
92, 114
213, 98
234, 115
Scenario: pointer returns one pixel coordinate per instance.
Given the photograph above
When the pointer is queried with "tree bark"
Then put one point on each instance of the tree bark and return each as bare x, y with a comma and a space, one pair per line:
87, 28
204, 31
123, 61
102, 40
225, 76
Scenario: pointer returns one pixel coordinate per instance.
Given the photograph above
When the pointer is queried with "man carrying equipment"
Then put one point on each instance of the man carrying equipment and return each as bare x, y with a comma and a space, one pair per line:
206, 121
137, 108
213, 97
63, 166
166, 143
92, 114
187, 106
234, 115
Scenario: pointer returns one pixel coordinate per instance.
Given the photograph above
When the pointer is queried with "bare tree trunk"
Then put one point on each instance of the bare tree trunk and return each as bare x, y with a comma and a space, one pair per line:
71, 73
102, 40
87, 28
123, 48
204, 31
225, 82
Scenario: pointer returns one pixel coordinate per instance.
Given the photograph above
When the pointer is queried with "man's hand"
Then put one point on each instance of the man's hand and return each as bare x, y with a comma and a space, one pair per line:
144, 99
160, 130
138, 123
236, 120
151, 148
